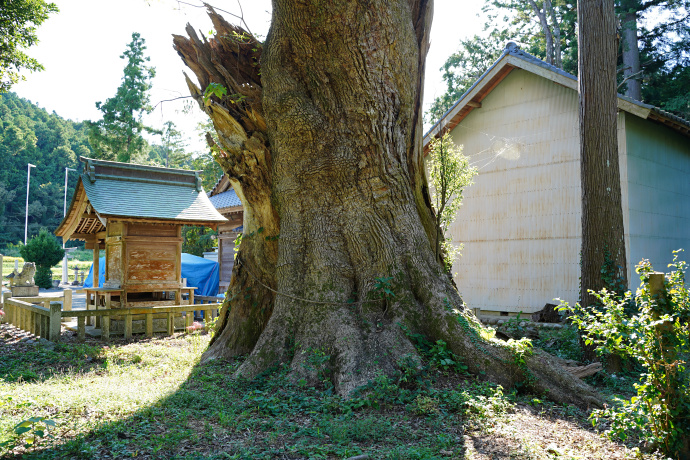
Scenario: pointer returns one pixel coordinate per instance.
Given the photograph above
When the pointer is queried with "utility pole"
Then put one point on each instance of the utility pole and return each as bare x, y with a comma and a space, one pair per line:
26, 218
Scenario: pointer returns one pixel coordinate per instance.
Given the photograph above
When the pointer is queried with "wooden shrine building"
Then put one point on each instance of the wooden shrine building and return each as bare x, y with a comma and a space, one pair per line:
225, 200
136, 214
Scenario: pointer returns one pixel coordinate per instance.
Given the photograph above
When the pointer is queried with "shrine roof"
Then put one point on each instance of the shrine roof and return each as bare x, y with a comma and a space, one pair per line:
108, 189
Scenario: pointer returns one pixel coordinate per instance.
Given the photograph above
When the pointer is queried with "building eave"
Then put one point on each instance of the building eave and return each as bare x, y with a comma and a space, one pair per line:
514, 58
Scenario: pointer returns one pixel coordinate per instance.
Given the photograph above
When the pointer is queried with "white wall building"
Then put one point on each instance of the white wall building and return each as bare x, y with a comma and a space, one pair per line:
520, 221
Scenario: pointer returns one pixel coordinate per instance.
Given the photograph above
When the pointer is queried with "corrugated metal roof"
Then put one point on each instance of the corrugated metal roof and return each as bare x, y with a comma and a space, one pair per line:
512, 49
226, 199
146, 192
145, 200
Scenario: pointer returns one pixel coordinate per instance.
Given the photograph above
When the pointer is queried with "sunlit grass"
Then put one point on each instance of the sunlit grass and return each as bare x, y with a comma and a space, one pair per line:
151, 399
103, 384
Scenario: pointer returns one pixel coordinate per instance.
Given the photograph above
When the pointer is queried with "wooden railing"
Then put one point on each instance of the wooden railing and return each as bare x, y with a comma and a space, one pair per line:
45, 321
148, 314
40, 321
206, 299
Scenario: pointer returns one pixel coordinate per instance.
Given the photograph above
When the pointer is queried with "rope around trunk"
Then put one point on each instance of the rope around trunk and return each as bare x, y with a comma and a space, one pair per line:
301, 299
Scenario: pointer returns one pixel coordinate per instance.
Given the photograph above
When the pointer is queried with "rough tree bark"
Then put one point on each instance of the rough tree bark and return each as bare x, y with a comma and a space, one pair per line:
335, 177
631, 55
602, 212
232, 60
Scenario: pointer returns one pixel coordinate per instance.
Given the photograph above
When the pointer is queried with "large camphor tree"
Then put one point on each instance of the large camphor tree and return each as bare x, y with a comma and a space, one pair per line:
320, 132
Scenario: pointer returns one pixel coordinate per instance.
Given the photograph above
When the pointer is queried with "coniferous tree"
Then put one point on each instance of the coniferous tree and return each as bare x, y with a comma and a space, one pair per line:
602, 211
171, 153
118, 135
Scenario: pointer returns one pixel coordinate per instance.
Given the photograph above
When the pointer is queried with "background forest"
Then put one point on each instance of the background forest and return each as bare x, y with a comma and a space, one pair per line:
29, 134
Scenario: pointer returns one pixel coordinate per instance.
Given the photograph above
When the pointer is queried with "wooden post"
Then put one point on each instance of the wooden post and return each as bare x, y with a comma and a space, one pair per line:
656, 284
88, 307
658, 292
171, 324
45, 325
128, 326
97, 302
32, 323
55, 323
81, 328
9, 311
188, 319
149, 324
67, 301
96, 268
105, 327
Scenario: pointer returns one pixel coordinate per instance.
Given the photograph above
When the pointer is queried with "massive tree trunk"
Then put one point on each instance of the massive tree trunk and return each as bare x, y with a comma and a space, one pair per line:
602, 212
335, 178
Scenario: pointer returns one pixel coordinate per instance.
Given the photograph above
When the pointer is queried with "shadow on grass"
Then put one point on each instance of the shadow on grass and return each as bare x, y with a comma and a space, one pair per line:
211, 416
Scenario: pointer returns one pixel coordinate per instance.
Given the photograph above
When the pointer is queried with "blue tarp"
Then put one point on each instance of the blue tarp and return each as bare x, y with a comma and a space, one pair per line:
200, 273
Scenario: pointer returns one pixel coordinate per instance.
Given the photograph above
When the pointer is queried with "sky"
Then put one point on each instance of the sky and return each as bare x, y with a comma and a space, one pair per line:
80, 48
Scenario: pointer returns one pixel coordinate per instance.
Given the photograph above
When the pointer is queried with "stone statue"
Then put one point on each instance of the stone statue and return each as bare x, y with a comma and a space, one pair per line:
23, 278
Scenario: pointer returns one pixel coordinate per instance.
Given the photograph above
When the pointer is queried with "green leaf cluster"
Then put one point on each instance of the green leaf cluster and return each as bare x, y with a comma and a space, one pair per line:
32, 431
172, 152
658, 337
449, 174
18, 22
45, 251
197, 240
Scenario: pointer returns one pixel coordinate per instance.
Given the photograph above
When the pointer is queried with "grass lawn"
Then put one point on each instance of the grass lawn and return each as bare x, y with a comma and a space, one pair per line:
150, 399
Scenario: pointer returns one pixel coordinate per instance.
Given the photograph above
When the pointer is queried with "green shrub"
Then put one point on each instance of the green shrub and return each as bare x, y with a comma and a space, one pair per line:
45, 251
657, 336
